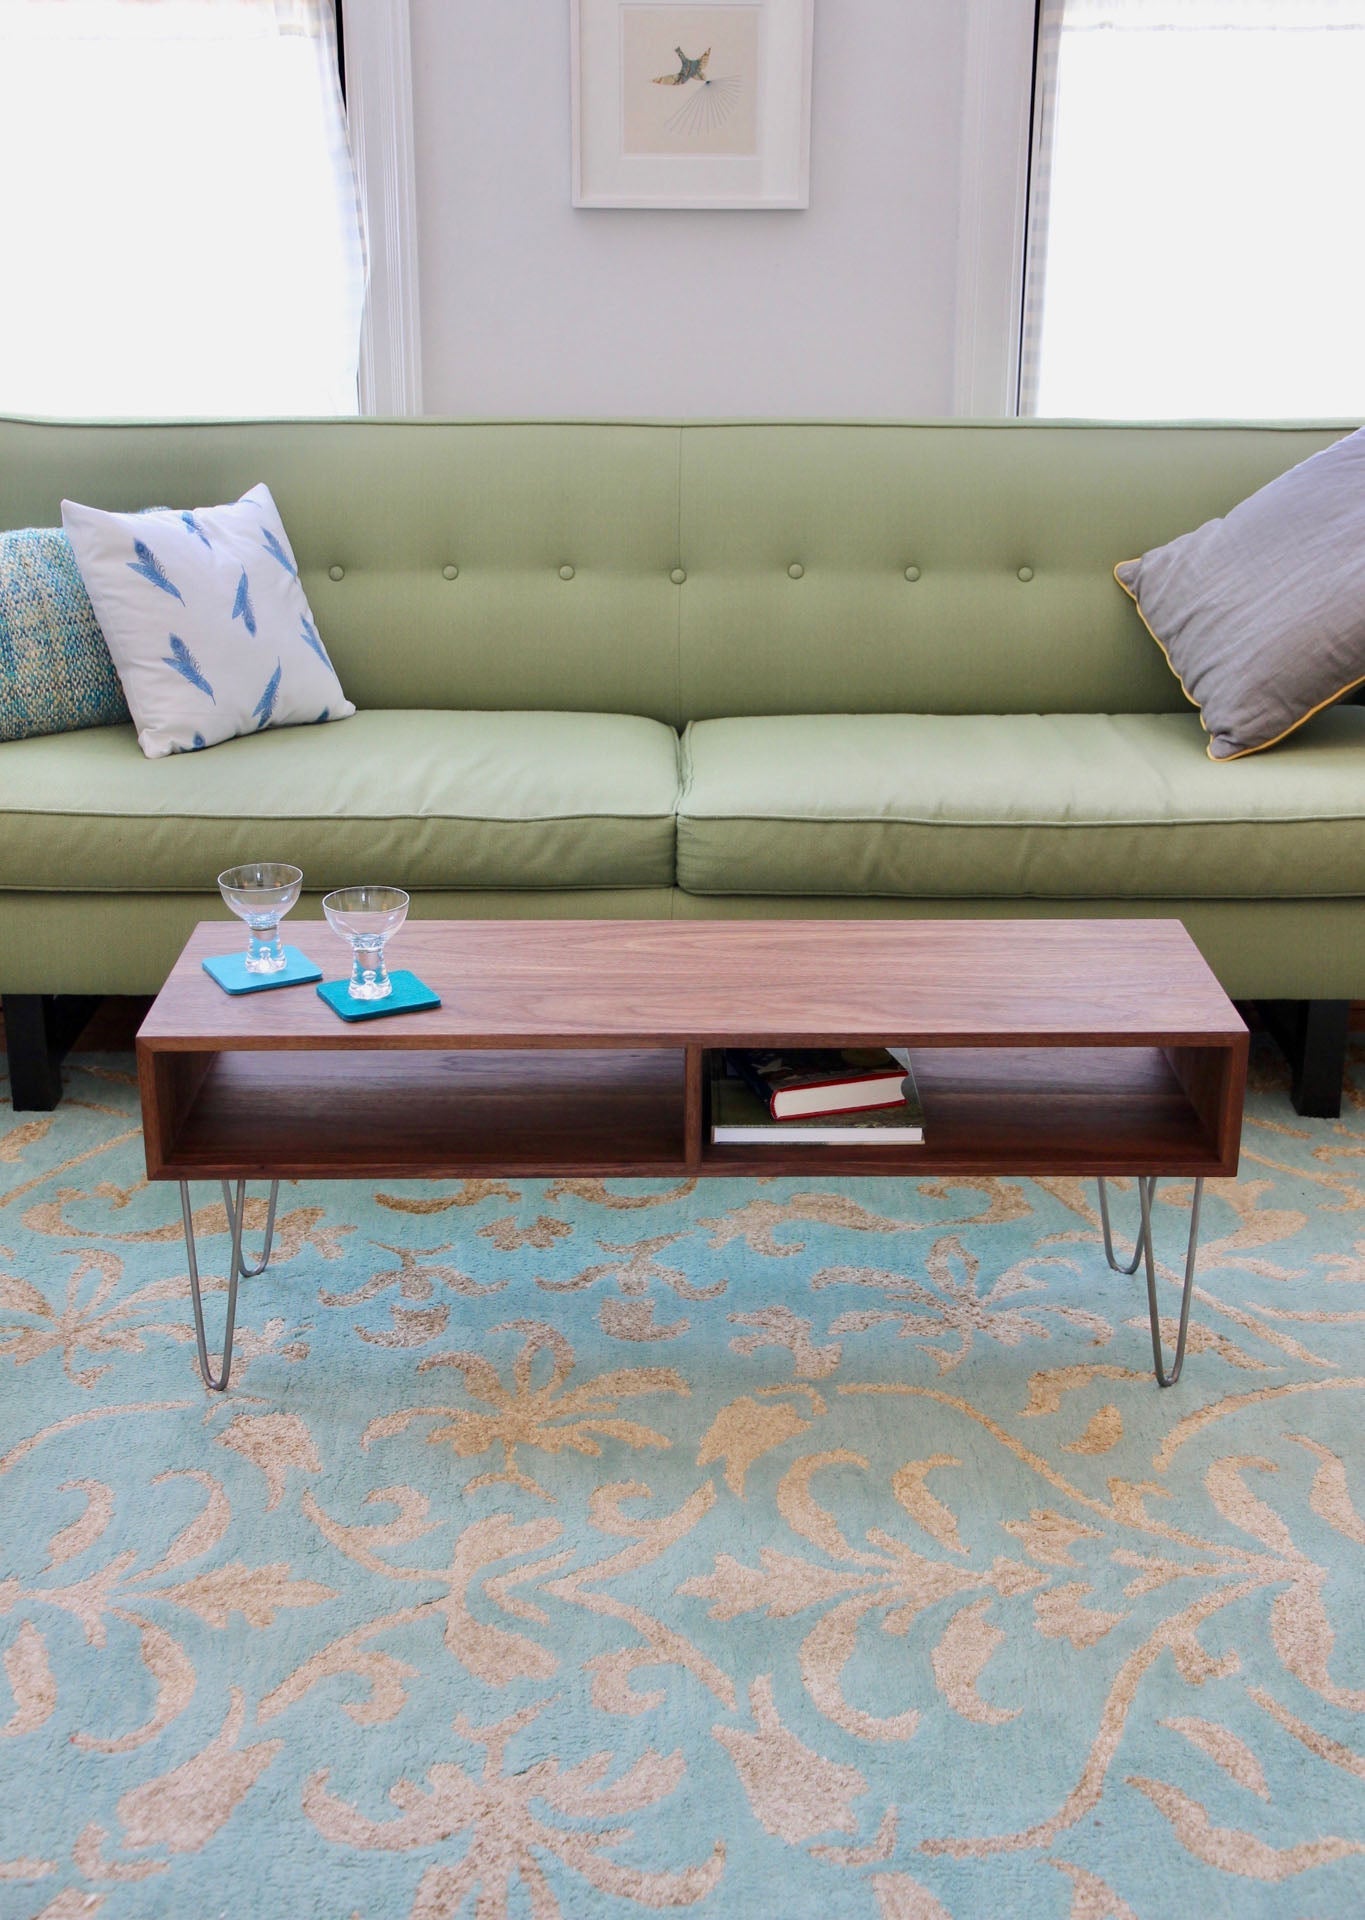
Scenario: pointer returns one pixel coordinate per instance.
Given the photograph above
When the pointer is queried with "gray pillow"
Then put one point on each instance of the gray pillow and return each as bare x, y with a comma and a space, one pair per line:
1261, 616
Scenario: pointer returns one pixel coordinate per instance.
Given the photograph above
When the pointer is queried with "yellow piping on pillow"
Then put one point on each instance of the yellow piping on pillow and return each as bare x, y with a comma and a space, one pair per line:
1220, 759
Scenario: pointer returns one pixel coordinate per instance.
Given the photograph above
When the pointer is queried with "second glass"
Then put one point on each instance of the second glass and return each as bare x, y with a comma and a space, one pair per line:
367, 916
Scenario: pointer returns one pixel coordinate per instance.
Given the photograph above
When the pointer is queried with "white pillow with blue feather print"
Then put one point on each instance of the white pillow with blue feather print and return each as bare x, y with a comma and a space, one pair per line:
206, 621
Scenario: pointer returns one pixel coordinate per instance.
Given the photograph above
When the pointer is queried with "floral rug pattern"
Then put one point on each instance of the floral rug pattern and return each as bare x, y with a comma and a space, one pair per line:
781, 1548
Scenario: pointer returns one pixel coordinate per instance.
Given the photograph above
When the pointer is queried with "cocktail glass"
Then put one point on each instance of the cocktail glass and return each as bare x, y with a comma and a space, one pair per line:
367, 916
261, 893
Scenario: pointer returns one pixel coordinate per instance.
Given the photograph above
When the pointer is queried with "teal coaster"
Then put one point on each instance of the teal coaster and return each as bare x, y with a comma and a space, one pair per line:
229, 970
410, 995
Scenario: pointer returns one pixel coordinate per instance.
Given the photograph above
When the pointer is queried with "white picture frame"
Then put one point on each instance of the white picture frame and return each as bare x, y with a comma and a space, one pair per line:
691, 103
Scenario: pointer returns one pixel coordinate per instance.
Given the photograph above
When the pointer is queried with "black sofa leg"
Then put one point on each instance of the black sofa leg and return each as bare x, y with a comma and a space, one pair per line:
1312, 1035
38, 1030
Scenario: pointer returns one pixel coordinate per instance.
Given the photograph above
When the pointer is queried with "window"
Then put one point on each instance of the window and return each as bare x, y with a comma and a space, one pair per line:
1194, 244
182, 226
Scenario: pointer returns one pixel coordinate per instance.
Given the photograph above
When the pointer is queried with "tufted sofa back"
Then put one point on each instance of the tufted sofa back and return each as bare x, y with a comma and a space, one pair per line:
690, 571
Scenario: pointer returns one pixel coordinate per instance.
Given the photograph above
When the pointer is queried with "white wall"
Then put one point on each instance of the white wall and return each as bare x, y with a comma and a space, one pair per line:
848, 309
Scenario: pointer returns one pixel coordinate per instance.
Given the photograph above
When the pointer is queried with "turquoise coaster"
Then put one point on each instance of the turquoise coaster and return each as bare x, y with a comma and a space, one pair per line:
229, 970
410, 995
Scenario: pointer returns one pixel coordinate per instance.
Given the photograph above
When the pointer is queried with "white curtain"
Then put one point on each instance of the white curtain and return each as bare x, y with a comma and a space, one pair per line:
182, 228
1193, 210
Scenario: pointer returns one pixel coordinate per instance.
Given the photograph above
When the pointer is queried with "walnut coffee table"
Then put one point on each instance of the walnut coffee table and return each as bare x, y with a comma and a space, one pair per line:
579, 1047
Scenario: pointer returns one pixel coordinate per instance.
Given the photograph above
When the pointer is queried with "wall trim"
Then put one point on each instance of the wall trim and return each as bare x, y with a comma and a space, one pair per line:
997, 109
379, 117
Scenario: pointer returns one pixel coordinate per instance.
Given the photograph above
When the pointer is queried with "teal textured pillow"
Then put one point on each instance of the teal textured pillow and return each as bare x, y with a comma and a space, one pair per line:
55, 671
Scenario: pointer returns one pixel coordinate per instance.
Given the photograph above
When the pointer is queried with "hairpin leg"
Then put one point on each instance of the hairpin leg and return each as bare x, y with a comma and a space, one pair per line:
234, 1273
1143, 1251
1132, 1265
250, 1273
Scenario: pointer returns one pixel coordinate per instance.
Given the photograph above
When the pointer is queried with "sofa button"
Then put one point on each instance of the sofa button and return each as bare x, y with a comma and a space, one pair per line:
336, 573
795, 570
912, 573
566, 572
678, 575
1026, 574
450, 573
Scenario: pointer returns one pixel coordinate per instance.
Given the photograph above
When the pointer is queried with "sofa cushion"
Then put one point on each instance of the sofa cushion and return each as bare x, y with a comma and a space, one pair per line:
418, 799
1052, 805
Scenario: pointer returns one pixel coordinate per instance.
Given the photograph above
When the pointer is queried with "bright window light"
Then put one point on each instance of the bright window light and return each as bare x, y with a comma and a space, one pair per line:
1200, 236
181, 223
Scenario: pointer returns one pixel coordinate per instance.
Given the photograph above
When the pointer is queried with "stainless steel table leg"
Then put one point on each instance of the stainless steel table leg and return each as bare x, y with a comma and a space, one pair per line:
1143, 1251
235, 1216
1109, 1255
250, 1273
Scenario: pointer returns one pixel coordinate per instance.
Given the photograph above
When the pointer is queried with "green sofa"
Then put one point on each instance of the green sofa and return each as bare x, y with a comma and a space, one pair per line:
700, 670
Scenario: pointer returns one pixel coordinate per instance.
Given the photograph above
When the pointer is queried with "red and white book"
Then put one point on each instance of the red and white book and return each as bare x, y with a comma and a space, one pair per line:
794, 1084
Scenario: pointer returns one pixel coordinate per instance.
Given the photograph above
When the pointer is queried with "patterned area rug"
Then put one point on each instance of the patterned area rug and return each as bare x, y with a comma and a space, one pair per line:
776, 1549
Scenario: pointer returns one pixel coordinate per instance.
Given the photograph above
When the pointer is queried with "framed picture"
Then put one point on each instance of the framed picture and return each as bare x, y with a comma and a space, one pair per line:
677, 104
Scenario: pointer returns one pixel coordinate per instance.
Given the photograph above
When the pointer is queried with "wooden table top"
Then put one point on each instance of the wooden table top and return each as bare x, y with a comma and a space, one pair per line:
585, 983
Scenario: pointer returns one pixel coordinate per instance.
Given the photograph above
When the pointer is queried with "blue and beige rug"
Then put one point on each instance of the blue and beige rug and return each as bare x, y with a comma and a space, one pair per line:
789, 1549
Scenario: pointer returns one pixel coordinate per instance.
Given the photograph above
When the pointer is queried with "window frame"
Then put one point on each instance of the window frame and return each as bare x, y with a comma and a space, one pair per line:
376, 74
1029, 261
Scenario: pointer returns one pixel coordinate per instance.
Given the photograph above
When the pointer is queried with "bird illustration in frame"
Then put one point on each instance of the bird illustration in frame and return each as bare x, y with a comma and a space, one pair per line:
689, 69
713, 102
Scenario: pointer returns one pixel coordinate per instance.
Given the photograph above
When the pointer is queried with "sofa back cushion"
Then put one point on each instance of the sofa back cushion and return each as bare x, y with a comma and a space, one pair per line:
960, 567
378, 513
691, 571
